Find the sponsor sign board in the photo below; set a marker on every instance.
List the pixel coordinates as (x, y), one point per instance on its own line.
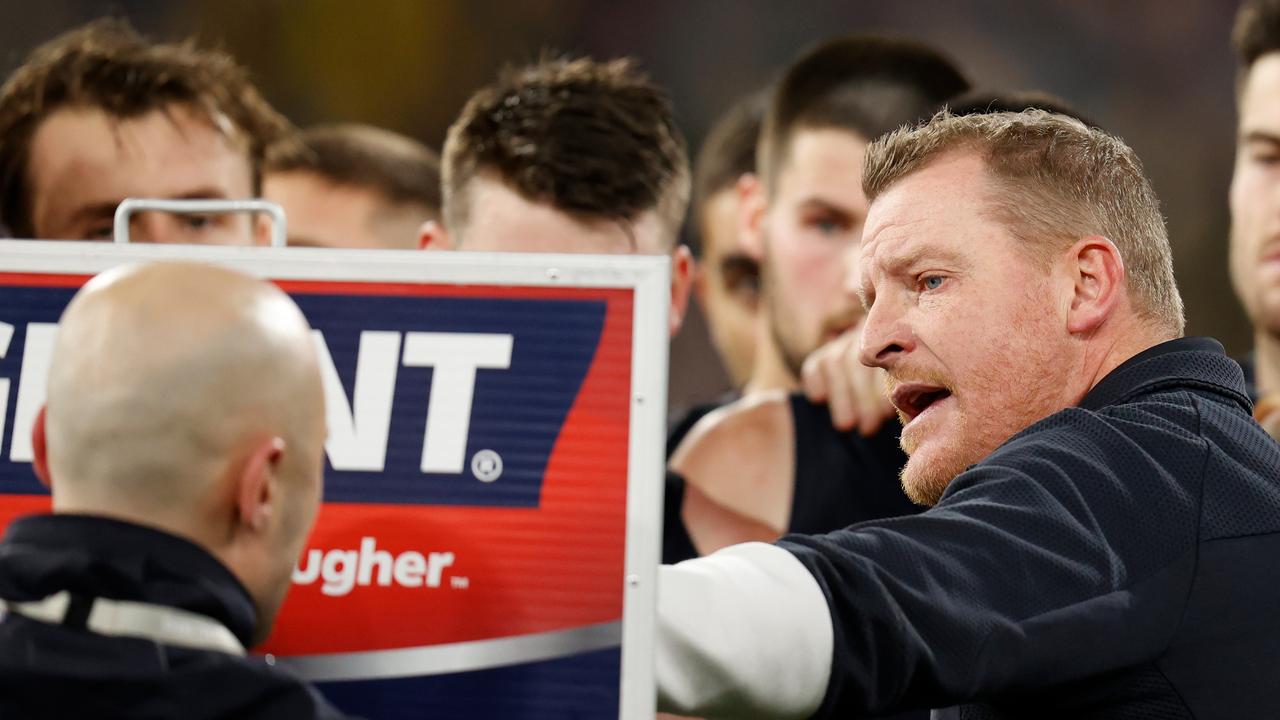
(489, 536)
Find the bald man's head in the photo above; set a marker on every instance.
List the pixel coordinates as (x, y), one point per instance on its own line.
(189, 397)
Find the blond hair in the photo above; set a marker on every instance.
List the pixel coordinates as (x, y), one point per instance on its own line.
(1055, 181)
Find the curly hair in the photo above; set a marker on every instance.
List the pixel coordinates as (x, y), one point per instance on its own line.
(592, 139)
(107, 65)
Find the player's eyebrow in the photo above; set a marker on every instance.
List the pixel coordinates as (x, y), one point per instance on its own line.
(1259, 136)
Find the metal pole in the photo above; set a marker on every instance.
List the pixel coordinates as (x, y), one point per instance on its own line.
(130, 206)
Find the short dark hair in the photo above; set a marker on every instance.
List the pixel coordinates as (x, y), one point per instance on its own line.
(866, 84)
(107, 65)
(1256, 32)
(593, 139)
(729, 150)
(993, 101)
(400, 169)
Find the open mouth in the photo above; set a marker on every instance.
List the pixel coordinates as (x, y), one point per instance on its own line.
(912, 399)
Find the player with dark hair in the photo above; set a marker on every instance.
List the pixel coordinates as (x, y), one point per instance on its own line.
(1255, 198)
(829, 104)
(100, 114)
(352, 185)
(727, 283)
(776, 463)
(726, 279)
(568, 155)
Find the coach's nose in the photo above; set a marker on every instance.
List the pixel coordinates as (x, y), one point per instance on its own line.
(886, 334)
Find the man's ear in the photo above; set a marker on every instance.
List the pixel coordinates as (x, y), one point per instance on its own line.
(433, 236)
(255, 487)
(261, 229)
(40, 451)
(752, 204)
(1097, 273)
(682, 272)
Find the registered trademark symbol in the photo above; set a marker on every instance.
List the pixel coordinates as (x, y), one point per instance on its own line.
(486, 465)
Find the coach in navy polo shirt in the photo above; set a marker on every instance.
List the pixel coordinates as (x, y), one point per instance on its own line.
(1106, 513)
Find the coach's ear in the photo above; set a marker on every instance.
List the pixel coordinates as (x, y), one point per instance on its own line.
(752, 204)
(433, 236)
(682, 271)
(40, 451)
(1095, 272)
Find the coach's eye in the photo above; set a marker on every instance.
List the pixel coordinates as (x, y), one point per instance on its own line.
(931, 282)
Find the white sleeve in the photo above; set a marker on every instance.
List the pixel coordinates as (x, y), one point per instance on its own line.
(745, 632)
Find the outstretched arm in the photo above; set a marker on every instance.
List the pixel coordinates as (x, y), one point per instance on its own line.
(743, 633)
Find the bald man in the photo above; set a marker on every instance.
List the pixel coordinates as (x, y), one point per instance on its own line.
(183, 444)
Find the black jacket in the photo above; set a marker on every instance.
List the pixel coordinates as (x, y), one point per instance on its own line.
(66, 671)
(1120, 559)
(1249, 365)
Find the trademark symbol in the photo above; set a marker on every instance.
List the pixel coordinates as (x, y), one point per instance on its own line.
(459, 583)
(486, 465)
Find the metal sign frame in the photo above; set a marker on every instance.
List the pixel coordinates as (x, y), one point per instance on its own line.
(647, 276)
(129, 206)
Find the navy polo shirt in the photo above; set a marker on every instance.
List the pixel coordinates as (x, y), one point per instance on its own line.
(1119, 559)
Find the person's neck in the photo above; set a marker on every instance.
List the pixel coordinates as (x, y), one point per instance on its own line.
(1112, 347)
(188, 526)
(1266, 362)
(769, 371)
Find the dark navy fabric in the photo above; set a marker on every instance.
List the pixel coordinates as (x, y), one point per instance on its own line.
(1114, 560)
(1247, 364)
(65, 671)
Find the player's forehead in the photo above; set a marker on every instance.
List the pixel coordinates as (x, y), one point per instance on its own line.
(500, 219)
(162, 153)
(1260, 96)
(822, 160)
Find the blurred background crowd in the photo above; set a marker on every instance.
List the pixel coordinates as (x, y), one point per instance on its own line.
(1158, 76)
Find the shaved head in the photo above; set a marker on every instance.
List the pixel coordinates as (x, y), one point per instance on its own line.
(171, 387)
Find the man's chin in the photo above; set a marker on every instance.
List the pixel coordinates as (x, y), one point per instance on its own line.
(1270, 323)
(1268, 310)
(926, 475)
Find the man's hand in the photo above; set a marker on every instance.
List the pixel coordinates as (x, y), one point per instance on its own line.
(1267, 411)
(855, 393)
